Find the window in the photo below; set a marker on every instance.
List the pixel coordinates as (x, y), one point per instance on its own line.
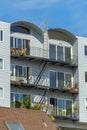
(1, 63)
(52, 52)
(68, 80)
(85, 76)
(68, 54)
(17, 96)
(18, 43)
(85, 49)
(14, 126)
(62, 107)
(21, 71)
(1, 92)
(11, 42)
(1, 35)
(20, 29)
(60, 53)
(59, 79)
(52, 79)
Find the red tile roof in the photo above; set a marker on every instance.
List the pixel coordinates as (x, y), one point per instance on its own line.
(30, 119)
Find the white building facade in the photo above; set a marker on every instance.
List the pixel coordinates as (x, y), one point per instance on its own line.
(48, 65)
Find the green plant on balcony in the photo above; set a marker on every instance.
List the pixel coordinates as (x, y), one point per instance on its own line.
(72, 61)
(53, 112)
(75, 110)
(68, 112)
(68, 84)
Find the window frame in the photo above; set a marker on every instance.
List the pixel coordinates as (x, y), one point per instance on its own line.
(63, 99)
(20, 125)
(56, 53)
(57, 77)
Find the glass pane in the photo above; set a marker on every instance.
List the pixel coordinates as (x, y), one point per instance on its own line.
(18, 71)
(69, 108)
(24, 95)
(11, 42)
(21, 97)
(12, 70)
(52, 52)
(17, 97)
(68, 54)
(60, 53)
(68, 82)
(14, 126)
(52, 79)
(1, 92)
(60, 80)
(26, 44)
(60, 106)
(20, 29)
(12, 97)
(25, 71)
(1, 63)
(19, 43)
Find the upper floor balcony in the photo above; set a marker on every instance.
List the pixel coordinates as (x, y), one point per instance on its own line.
(35, 53)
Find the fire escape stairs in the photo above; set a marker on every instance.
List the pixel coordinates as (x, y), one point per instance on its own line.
(38, 79)
(41, 73)
(43, 96)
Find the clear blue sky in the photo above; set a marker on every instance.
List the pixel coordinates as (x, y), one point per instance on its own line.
(67, 14)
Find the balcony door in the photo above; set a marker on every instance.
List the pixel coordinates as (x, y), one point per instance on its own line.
(52, 79)
(60, 77)
(68, 54)
(60, 53)
(52, 52)
(26, 44)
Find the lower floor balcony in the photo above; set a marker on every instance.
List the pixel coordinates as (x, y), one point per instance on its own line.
(65, 114)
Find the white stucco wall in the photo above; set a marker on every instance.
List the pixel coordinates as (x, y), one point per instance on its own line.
(82, 68)
(5, 73)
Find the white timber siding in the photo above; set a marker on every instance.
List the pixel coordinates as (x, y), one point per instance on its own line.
(5, 73)
(82, 67)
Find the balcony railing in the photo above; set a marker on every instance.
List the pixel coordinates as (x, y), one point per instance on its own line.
(44, 84)
(65, 113)
(39, 53)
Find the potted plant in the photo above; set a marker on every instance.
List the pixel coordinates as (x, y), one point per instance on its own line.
(75, 109)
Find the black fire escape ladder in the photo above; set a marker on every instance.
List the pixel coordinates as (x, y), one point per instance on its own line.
(43, 96)
(40, 74)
